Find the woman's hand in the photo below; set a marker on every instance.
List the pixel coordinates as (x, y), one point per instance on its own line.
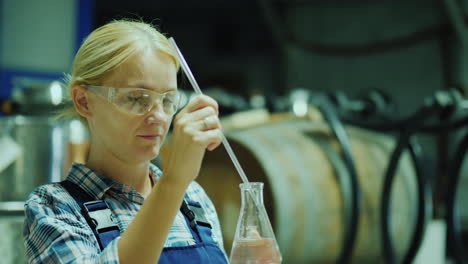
(196, 128)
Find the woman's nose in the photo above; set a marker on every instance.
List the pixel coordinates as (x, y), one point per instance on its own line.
(156, 115)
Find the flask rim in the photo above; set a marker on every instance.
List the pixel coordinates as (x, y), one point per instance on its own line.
(253, 185)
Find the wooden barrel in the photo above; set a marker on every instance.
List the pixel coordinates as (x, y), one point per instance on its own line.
(299, 163)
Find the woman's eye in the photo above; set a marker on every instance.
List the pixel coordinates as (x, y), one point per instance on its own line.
(133, 98)
(144, 100)
(168, 101)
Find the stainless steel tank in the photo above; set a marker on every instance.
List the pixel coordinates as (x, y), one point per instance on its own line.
(42, 140)
(33, 147)
(11, 227)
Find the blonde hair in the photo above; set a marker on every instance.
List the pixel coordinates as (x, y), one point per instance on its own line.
(106, 48)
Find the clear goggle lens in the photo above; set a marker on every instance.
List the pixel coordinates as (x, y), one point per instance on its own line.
(138, 100)
(142, 101)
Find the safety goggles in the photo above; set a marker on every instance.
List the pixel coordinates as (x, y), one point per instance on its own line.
(137, 101)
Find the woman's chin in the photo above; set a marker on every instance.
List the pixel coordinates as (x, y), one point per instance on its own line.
(140, 154)
(149, 154)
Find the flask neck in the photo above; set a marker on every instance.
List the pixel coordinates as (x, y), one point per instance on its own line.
(252, 194)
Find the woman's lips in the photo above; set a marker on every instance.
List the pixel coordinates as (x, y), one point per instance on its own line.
(149, 137)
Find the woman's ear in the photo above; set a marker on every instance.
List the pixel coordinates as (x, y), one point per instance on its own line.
(81, 100)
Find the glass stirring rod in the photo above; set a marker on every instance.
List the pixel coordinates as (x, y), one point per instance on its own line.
(259, 209)
(195, 86)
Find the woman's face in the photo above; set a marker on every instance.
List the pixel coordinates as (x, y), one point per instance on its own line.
(128, 137)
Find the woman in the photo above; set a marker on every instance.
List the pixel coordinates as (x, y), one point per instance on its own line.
(124, 88)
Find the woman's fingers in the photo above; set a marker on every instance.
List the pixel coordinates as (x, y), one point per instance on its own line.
(198, 124)
(201, 101)
(209, 123)
(196, 129)
(211, 138)
(198, 118)
(205, 116)
(199, 114)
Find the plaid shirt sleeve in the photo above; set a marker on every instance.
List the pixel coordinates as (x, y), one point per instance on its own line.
(54, 233)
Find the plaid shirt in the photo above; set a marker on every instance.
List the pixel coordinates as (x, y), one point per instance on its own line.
(56, 232)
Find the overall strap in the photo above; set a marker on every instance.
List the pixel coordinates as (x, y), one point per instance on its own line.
(96, 212)
(200, 227)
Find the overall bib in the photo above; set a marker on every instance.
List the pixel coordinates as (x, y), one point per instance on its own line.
(205, 251)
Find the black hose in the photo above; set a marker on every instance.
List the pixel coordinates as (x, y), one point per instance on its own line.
(385, 127)
(389, 125)
(340, 168)
(439, 102)
(398, 125)
(407, 127)
(424, 202)
(352, 220)
(403, 143)
(387, 242)
(447, 125)
(455, 241)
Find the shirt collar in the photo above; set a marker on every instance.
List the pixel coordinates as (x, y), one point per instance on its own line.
(155, 173)
(96, 184)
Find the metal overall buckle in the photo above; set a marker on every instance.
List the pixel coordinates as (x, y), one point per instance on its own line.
(101, 218)
(199, 214)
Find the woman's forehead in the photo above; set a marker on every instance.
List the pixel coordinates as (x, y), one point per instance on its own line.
(155, 71)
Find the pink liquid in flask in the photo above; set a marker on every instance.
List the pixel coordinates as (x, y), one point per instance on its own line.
(255, 251)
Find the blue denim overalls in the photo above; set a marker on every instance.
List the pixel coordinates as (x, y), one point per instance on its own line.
(205, 251)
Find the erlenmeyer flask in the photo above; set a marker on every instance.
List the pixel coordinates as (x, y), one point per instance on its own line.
(254, 241)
